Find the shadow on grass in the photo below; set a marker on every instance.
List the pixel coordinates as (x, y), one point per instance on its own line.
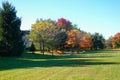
(105, 51)
(49, 61)
(64, 56)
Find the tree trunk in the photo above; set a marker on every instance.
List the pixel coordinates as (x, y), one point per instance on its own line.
(79, 48)
(40, 47)
(52, 52)
(43, 47)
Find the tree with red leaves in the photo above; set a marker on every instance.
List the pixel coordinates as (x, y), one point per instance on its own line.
(64, 24)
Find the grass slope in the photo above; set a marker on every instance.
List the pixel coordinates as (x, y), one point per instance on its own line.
(93, 65)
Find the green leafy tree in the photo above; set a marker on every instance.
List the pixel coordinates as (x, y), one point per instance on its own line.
(60, 41)
(108, 42)
(11, 43)
(75, 27)
(98, 41)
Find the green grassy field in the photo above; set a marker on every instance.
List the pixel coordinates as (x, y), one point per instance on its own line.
(92, 65)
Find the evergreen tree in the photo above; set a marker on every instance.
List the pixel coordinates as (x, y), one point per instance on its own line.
(98, 41)
(32, 48)
(11, 43)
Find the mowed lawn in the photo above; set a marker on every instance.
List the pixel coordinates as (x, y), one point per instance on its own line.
(92, 65)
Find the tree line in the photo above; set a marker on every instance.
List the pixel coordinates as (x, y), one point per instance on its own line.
(47, 35)
(64, 36)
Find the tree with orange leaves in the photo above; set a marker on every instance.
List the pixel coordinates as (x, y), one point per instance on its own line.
(116, 40)
(79, 39)
(85, 41)
(73, 38)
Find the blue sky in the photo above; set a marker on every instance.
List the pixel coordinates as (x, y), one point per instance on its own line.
(101, 16)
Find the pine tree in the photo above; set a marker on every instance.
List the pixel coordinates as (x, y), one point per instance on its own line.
(11, 43)
(32, 48)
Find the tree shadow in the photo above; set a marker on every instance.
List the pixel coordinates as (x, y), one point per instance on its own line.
(105, 51)
(18, 63)
(64, 56)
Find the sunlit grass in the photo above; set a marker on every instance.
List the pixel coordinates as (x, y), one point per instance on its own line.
(92, 65)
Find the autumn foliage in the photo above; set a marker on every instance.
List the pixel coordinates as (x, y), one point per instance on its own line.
(73, 37)
(61, 22)
(116, 40)
(61, 35)
(65, 24)
(85, 41)
(76, 37)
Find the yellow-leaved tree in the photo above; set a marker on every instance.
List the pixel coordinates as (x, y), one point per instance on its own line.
(43, 32)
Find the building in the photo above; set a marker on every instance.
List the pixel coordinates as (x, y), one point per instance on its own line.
(25, 38)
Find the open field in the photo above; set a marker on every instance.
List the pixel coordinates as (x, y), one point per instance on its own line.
(93, 65)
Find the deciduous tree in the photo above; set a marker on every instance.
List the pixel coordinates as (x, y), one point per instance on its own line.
(64, 24)
(116, 40)
(73, 37)
(108, 42)
(60, 41)
(85, 41)
(44, 32)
